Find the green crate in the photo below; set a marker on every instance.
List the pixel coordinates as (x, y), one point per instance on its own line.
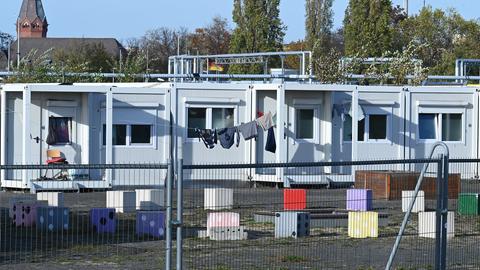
(468, 204)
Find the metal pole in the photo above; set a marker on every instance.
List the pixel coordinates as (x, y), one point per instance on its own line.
(18, 44)
(8, 55)
(168, 238)
(438, 215)
(444, 214)
(179, 214)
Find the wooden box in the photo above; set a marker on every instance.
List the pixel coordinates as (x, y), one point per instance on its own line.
(390, 184)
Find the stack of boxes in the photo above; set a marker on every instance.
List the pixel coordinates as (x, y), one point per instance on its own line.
(362, 222)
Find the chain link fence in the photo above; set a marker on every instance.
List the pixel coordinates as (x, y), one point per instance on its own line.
(328, 215)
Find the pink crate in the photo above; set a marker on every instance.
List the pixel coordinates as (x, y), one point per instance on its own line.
(222, 219)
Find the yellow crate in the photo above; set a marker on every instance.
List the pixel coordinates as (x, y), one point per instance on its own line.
(362, 224)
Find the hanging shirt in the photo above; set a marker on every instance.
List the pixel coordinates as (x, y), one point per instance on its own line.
(227, 137)
(271, 145)
(265, 121)
(208, 136)
(248, 130)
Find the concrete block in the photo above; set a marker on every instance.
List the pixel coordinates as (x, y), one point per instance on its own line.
(218, 198)
(222, 219)
(52, 218)
(407, 197)
(103, 220)
(294, 199)
(53, 198)
(228, 233)
(469, 204)
(150, 199)
(151, 223)
(362, 224)
(122, 201)
(359, 199)
(15, 199)
(427, 227)
(25, 213)
(292, 224)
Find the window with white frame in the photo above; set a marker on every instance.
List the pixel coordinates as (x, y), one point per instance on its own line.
(61, 129)
(444, 126)
(371, 128)
(209, 118)
(305, 123)
(130, 134)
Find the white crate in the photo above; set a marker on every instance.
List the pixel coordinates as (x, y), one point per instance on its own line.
(218, 198)
(292, 224)
(122, 201)
(228, 233)
(426, 224)
(222, 219)
(150, 199)
(407, 197)
(53, 198)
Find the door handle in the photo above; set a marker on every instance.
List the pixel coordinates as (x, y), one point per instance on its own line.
(37, 139)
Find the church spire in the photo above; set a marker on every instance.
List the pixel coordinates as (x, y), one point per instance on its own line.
(32, 22)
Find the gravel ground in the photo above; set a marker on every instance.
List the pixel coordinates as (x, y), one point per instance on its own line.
(326, 248)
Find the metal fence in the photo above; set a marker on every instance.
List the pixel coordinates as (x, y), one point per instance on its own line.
(239, 216)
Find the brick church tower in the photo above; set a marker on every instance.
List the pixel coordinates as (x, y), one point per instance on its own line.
(31, 22)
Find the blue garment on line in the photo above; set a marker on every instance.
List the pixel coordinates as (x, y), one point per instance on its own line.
(227, 137)
(271, 145)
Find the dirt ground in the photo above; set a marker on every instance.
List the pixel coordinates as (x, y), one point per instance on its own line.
(325, 248)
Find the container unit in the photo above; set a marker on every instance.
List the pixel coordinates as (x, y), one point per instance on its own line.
(469, 204)
(122, 201)
(359, 199)
(427, 227)
(292, 224)
(150, 199)
(218, 198)
(407, 197)
(294, 199)
(362, 224)
(53, 198)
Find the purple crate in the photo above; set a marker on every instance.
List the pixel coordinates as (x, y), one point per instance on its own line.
(25, 213)
(103, 220)
(359, 199)
(151, 223)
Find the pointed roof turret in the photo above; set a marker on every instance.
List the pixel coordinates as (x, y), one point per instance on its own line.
(32, 9)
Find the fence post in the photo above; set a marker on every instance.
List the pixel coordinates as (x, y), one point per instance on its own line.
(444, 213)
(179, 214)
(441, 213)
(168, 238)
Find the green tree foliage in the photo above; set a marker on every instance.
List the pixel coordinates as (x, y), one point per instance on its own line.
(318, 25)
(258, 29)
(448, 36)
(367, 27)
(5, 40)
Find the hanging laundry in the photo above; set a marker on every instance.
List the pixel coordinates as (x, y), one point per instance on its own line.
(248, 130)
(271, 145)
(265, 121)
(208, 136)
(227, 137)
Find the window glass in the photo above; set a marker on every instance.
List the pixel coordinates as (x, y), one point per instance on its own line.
(59, 130)
(361, 130)
(140, 133)
(377, 129)
(119, 133)
(197, 118)
(347, 128)
(452, 127)
(304, 123)
(427, 126)
(222, 118)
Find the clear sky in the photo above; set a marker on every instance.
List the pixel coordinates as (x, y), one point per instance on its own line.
(124, 19)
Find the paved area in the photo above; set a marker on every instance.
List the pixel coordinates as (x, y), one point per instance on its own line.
(326, 248)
